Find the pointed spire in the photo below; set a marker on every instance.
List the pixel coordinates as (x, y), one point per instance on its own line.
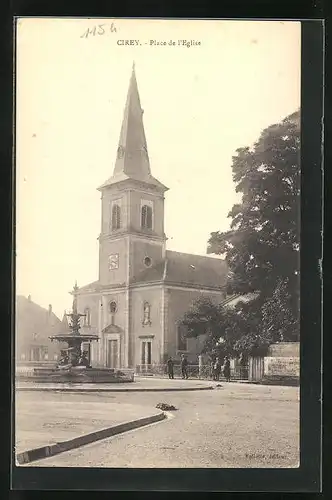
(132, 160)
(132, 156)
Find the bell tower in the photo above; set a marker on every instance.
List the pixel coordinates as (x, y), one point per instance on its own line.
(132, 230)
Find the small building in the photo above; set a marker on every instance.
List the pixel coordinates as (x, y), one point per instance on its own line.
(143, 290)
(34, 325)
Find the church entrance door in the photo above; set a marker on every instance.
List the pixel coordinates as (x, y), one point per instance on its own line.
(146, 351)
(113, 354)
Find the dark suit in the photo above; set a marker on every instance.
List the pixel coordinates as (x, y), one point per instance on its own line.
(170, 368)
(184, 368)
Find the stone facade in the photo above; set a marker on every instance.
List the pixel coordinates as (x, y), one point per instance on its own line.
(143, 290)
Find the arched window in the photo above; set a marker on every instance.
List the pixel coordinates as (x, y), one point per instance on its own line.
(116, 217)
(87, 317)
(146, 217)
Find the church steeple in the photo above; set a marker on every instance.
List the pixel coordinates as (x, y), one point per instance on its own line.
(132, 204)
(132, 159)
(132, 155)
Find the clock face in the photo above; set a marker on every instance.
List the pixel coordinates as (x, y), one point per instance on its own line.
(113, 261)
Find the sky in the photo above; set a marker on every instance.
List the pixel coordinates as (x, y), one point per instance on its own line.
(201, 102)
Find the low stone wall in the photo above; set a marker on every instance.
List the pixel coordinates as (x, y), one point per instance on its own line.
(280, 366)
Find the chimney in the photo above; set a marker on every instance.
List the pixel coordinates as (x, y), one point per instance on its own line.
(29, 298)
(50, 309)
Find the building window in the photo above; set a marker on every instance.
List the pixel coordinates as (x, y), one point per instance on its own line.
(146, 217)
(146, 314)
(35, 354)
(87, 317)
(44, 352)
(39, 353)
(147, 262)
(182, 341)
(116, 217)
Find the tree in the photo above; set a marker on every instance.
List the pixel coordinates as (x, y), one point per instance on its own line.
(230, 331)
(278, 319)
(262, 245)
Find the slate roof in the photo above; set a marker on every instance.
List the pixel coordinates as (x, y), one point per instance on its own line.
(90, 287)
(181, 269)
(188, 270)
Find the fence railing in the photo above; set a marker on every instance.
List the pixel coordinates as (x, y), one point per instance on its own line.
(194, 371)
(23, 364)
(26, 371)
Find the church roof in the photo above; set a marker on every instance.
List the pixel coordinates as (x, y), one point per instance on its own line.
(132, 160)
(90, 287)
(179, 269)
(188, 270)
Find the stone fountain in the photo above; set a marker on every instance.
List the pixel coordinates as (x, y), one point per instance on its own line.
(74, 366)
(73, 356)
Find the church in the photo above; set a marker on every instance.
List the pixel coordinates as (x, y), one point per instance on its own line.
(143, 289)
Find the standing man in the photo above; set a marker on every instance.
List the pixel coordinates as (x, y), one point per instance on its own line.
(170, 367)
(184, 366)
(217, 369)
(227, 369)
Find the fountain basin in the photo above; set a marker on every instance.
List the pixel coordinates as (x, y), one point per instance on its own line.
(76, 374)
